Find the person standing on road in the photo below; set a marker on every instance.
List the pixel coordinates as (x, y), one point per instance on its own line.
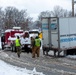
(32, 43)
(2, 41)
(37, 45)
(18, 44)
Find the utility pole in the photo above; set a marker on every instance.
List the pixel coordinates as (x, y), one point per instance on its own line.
(73, 2)
(73, 8)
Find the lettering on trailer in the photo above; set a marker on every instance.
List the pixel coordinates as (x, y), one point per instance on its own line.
(71, 37)
(67, 39)
(52, 25)
(45, 26)
(67, 35)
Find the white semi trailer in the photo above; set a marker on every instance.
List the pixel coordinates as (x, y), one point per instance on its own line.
(59, 34)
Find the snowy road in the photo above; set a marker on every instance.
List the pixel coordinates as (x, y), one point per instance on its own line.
(6, 69)
(45, 64)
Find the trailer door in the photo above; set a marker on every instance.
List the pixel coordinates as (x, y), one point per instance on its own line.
(45, 38)
(54, 32)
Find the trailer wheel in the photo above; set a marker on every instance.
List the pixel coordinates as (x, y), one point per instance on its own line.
(45, 51)
(54, 53)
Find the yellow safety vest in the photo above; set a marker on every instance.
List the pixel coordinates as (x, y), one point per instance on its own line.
(37, 42)
(40, 35)
(17, 42)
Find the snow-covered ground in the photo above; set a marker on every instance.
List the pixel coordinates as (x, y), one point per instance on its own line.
(7, 69)
(71, 56)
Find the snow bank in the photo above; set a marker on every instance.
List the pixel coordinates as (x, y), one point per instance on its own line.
(6, 69)
(71, 56)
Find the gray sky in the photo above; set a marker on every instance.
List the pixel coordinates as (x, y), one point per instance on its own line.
(34, 7)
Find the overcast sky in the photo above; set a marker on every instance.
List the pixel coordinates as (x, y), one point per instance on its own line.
(34, 7)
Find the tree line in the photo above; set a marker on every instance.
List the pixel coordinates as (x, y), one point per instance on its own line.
(11, 16)
(56, 12)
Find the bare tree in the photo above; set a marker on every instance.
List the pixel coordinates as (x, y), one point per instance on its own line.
(10, 13)
(57, 11)
(1, 19)
(65, 13)
(30, 23)
(14, 17)
(44, 14)
(38, 24)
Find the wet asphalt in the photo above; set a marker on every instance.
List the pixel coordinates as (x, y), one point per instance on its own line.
(49, 65)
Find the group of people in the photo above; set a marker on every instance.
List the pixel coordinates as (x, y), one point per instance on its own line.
(35, 46)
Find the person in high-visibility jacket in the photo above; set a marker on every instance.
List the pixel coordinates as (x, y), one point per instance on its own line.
(18, 44)
(36, 49)
(40, 35)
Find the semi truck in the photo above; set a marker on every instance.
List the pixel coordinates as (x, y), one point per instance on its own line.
(59, 35)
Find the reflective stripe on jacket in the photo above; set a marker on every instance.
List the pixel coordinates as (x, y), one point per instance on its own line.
(37, 42)
(17, 42)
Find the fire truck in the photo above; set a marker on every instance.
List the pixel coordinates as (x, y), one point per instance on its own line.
(8, 37)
